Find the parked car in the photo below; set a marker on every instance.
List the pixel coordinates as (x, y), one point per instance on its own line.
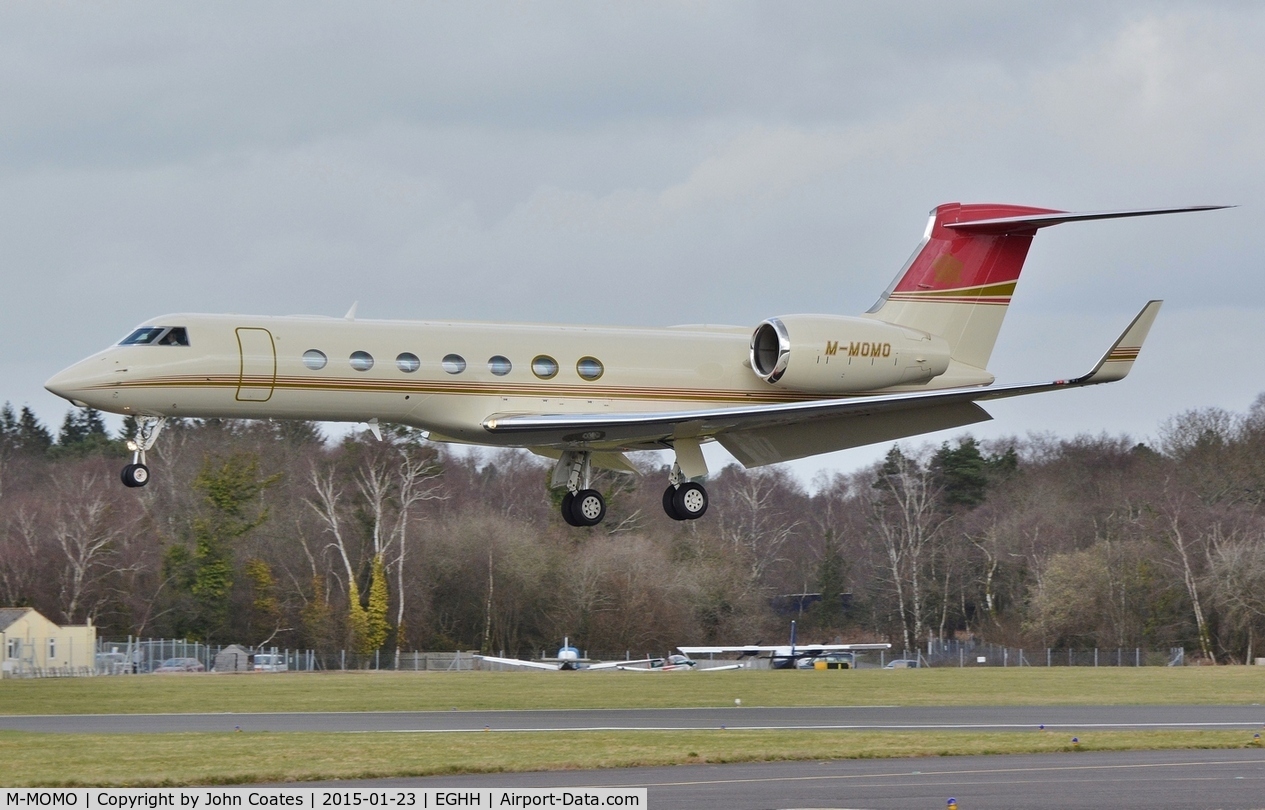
(828, 661)
(180, 665)
(269, 662)
(902, 663)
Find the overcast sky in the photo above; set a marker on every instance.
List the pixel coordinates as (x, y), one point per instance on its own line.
(636, 163)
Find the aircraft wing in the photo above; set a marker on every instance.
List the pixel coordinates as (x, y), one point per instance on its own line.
(516, 662)
(770, 433)
(680, 668)
(784, 649)
(620, 664)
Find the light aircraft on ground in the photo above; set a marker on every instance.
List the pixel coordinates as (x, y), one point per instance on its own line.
(792, 387)
(784, 656)
(567, 659)
(675, 663)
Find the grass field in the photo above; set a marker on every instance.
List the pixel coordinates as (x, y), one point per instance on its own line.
(425, 691)
(218, 758)
(143, 760)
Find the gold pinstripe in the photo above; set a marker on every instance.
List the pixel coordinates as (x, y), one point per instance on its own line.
(469, 388)
(982, 294)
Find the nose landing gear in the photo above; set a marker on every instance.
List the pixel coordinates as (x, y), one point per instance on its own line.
(136, 474)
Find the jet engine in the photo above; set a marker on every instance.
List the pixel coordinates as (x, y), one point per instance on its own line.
(835, 354)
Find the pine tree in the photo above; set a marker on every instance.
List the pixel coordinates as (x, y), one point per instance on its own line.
(832, 574)
(8, 423)
(30, 436)
(82, 434)
(72, 431)
(962, 473)
(229, 488)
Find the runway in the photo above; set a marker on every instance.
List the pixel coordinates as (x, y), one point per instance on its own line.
(1131, 780)
(842, 718)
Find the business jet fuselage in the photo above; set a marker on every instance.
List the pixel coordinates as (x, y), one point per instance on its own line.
(794, 386)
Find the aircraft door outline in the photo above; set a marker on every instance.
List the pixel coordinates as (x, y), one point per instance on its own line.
(257, 374)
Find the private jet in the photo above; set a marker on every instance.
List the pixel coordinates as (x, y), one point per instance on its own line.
(583, 396)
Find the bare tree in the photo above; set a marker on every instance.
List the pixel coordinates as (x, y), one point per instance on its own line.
(907, 519)
(86, 534)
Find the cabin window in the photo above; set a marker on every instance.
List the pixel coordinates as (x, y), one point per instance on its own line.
(590, 368)
(157, 336)
(453, 363)
(544, 367)
(500, 366)
(361, 361)
(52, 648)
(408, 362)
(15, 648)
(315, 359)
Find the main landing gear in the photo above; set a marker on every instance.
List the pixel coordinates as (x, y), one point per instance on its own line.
(683, 499)
(136, 474)
(582, 505)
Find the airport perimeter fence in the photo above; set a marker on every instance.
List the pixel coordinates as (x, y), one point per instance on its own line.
(975, 654)
(142, 656)
(146, 655)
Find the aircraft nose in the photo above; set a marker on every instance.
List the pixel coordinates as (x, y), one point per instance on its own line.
(68, 384)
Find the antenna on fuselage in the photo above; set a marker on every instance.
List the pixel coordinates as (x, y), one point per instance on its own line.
(351, 313)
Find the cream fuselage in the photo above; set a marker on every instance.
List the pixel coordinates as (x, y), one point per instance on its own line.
(253, 367)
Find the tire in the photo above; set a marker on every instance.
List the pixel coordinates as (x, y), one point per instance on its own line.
(567, 500)
(690, 501)
(668, 506)
(135, 475)
(588, 507)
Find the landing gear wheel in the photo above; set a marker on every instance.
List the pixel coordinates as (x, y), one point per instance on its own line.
(135, 475)
(668, 506)
(690, 501)
(567, 501)
(588, 508)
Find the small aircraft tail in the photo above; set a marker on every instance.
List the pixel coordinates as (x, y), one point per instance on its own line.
(959, 280)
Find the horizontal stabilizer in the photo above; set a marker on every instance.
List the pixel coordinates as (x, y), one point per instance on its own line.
(1031, 222)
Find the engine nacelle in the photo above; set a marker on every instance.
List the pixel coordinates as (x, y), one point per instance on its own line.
(835, 354)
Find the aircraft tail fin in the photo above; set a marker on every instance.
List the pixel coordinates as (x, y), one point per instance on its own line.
(960, 279)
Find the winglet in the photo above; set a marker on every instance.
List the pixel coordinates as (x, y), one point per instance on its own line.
(1118, 360)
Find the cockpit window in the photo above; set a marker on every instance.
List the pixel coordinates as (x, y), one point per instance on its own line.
(158, 336)
(176, 336)
(142, 336)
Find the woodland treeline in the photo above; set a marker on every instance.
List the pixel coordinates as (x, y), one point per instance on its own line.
(266, 533)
